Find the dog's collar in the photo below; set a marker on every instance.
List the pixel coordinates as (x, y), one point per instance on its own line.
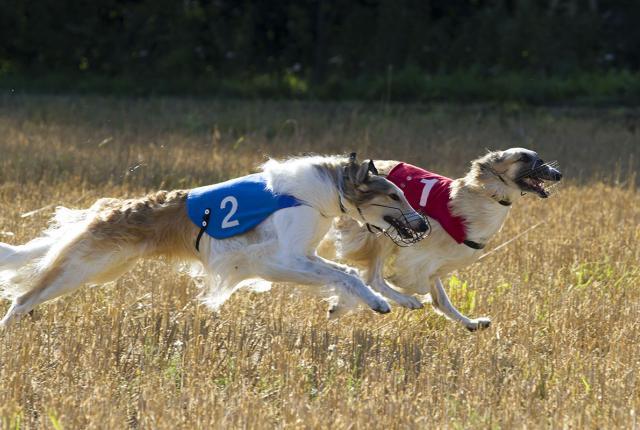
(474, 245)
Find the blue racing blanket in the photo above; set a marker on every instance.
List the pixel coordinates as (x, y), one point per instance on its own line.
(235, 206)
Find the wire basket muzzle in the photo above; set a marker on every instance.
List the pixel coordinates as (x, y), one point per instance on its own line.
(401, 231)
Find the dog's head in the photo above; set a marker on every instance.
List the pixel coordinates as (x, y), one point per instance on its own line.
(517, 169)
(381, 203)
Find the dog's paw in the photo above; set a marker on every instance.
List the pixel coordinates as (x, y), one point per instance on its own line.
(335, 311)
(479, 324)
(408, 302)
(5, 323)
(381, 306)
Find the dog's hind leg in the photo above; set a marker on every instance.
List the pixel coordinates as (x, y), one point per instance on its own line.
(68, 273)
(442, 303)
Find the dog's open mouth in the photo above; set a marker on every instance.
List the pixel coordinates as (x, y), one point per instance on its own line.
(532, 184)
(533, 180)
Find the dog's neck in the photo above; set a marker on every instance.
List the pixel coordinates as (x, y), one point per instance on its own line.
(483, 202)
(312, 180)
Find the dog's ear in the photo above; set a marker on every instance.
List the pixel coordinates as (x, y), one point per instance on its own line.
(363, 172)
(372, 168)
(488, 161)
(352, 158)
(351, 169)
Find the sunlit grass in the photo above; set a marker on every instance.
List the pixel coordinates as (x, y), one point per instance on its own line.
(562, 351)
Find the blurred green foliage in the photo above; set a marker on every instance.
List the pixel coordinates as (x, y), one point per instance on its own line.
(389, 50)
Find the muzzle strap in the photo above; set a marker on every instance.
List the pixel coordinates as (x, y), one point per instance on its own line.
(203, 227)
(367, 224)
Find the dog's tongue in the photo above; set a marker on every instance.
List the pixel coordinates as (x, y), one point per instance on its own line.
(537, 184)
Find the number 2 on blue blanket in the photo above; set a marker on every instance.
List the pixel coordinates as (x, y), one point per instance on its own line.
(227, 222)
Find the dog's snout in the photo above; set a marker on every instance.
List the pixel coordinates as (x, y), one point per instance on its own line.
(549, 173)
(554, 174)
(422, 226)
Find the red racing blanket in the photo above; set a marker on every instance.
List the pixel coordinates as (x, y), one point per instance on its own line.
(429, 194)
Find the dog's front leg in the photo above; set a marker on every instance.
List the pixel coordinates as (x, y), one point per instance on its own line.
(375, 278)
(299, 231)
(338, 308)
(442, 303)
(312, 270)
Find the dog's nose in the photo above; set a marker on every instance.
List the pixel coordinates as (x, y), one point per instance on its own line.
(422, 226)
(558, 176)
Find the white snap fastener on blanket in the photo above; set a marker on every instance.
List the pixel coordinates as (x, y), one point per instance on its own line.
(204, 223)
(207, 211)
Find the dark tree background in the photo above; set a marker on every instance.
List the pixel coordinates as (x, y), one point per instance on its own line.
(315, 43)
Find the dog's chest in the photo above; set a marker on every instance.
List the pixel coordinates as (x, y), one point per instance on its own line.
(234, 207)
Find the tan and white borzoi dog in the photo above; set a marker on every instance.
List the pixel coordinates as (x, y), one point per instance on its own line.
(99, 244)
(481, 199)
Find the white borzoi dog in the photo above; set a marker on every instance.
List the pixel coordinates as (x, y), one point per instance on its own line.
(464, 214)
(99, 244)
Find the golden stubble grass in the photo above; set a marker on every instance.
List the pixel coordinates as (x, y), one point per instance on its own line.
(563, 350)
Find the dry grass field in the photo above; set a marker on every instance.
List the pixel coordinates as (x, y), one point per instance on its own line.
(563, 350)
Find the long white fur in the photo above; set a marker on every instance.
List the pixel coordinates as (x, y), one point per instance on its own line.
(21, 264)
(318, 191)
(281, 249)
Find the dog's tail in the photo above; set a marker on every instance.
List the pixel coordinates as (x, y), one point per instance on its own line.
(14, 257)
(21, 265)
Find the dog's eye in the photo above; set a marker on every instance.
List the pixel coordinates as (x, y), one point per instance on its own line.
(395, 197)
